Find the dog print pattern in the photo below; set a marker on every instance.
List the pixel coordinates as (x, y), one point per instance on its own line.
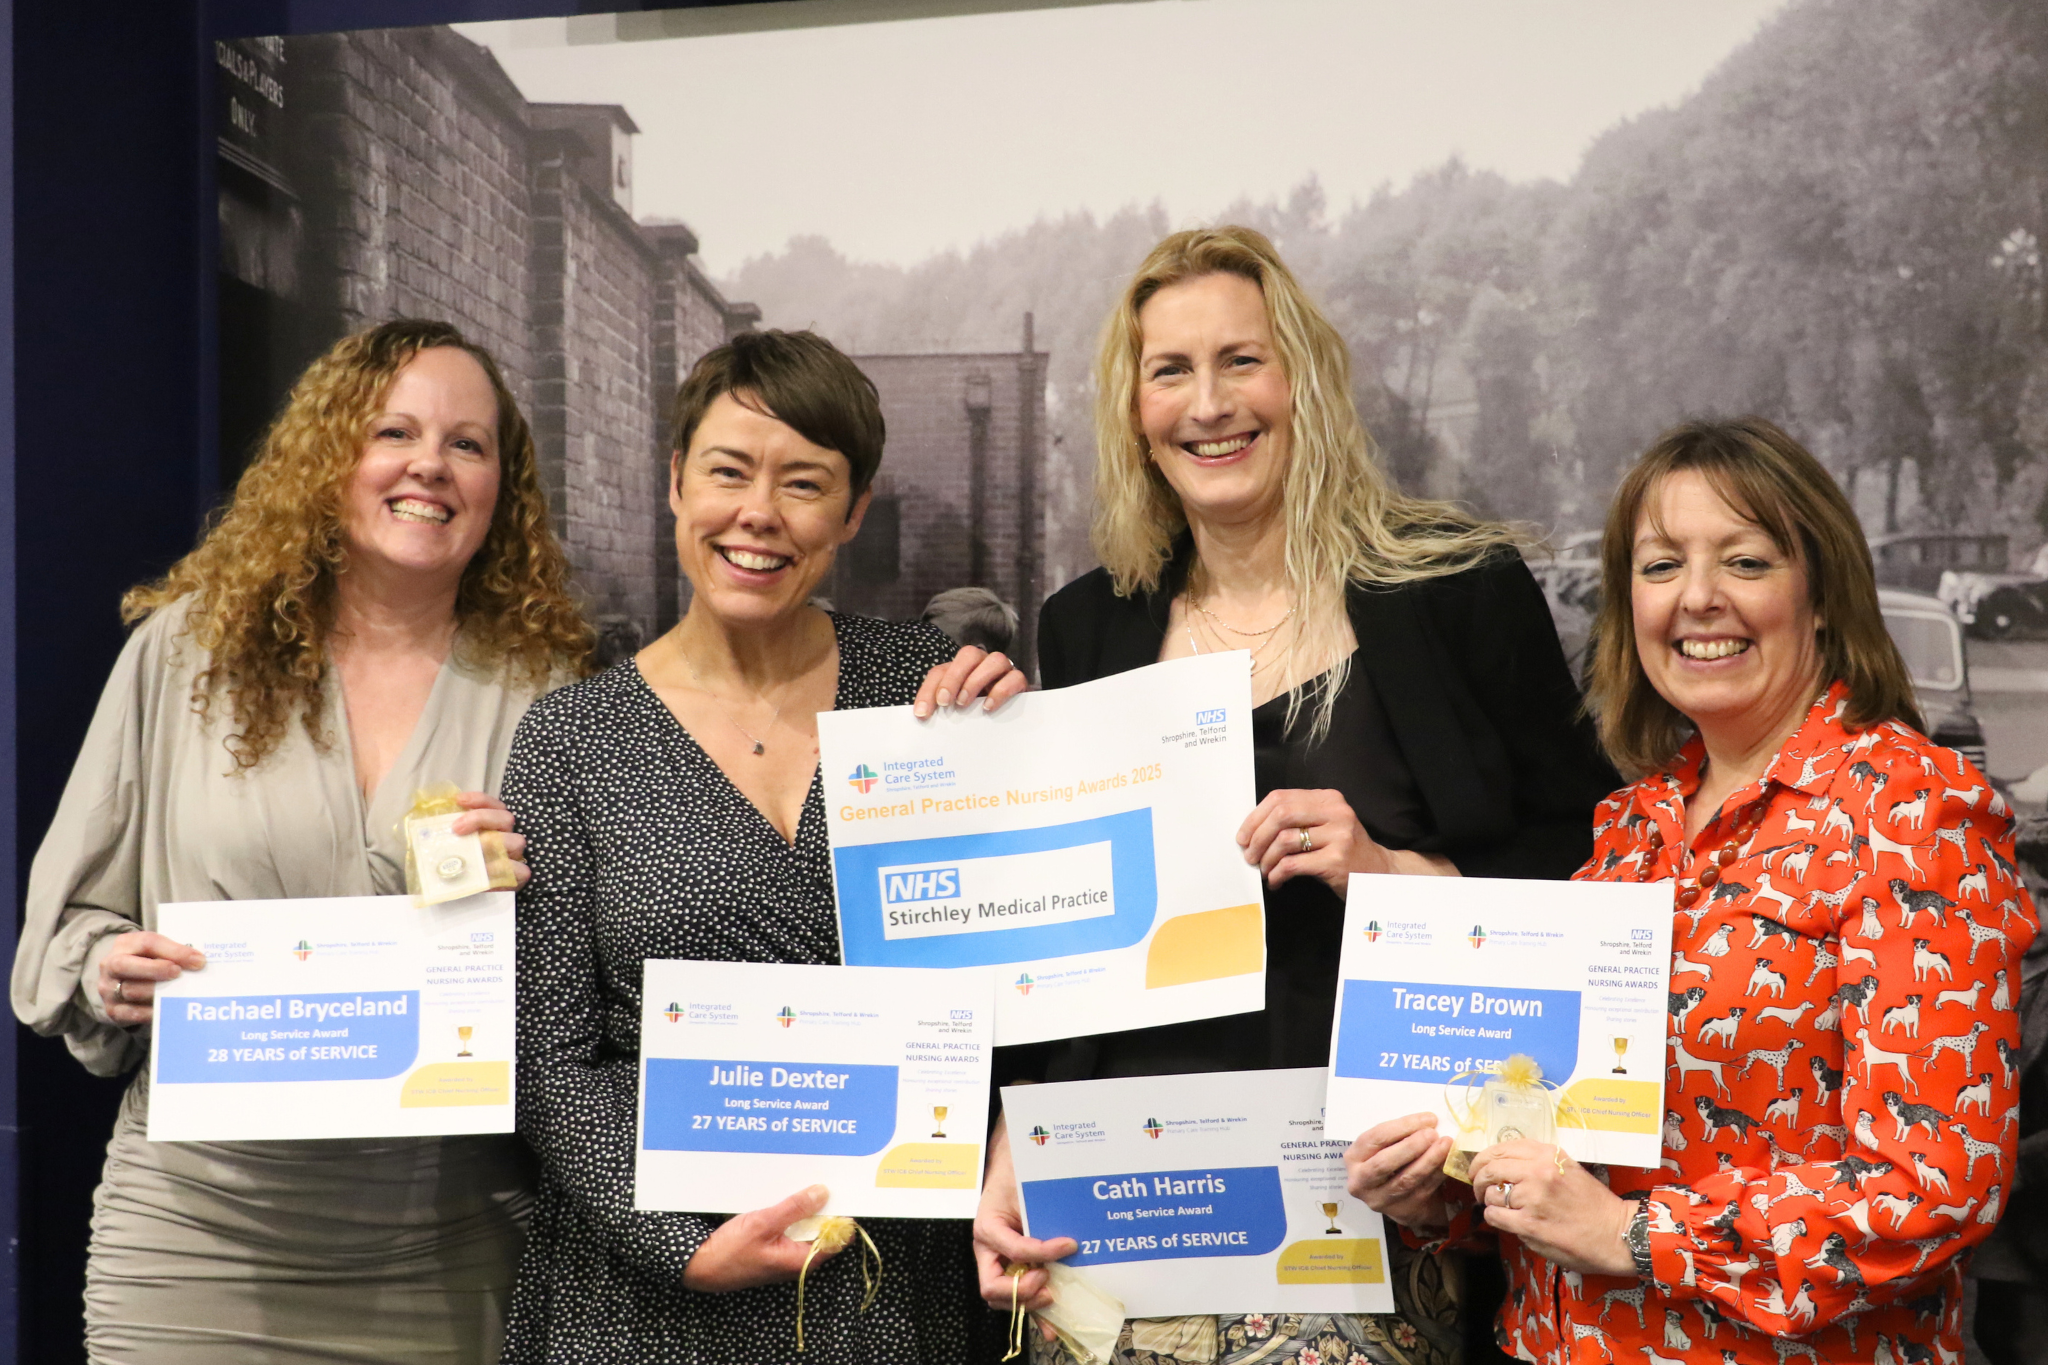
(1826, 1219)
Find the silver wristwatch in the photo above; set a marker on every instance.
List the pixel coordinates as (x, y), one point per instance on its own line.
(1638, 1238)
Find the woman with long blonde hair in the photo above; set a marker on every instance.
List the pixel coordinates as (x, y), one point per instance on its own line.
(1414, 713)
(372, 614)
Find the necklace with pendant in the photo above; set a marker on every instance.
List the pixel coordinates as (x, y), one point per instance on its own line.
(760, 747)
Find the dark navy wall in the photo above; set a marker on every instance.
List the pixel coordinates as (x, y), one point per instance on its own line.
(105, 473)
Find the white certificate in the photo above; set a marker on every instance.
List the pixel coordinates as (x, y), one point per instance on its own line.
(1212, 1193)
(760, 1079)
(1082, 840)
(335, 1017)
(1443, 978)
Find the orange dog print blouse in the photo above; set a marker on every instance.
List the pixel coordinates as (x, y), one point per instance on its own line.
(1842, 1100)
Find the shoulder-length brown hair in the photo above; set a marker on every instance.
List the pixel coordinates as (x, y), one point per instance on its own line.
(1346, 521)
(261, 581)
(1770, 480)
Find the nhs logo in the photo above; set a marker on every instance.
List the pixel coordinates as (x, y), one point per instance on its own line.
(932, 883)
(1214, 717)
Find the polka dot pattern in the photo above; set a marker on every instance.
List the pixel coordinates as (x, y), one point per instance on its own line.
(641, 848)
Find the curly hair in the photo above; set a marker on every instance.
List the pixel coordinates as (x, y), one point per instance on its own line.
(261, 582)
(1346, 521)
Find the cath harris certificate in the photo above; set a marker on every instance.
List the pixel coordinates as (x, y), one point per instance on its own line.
(1442, 978)
(1211, 1193)
(335, 1017)
(759, 1079)
(1082, 840)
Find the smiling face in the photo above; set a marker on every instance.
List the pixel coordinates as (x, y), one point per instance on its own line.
(760, 513)
(1213, 401)
(1724, 618)
(421, 498)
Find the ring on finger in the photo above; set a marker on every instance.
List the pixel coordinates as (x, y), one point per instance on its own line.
(121, 990)
(1307, 844)
(1507, 1189)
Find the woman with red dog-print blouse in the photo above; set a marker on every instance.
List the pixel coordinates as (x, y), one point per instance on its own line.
(1841, 1100)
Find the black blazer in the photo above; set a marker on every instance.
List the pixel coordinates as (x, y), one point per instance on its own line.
(1474, 684)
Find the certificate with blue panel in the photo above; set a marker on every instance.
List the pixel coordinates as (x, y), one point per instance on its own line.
(1441, 979)
(1081, 842)
(336, 1017)
(1212, 1193)
(759, 1079)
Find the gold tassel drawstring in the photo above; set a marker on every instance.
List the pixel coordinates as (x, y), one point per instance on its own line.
(834, 1234)
(1016, 1339)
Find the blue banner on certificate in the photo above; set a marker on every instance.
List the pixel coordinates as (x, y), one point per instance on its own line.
(1441, 979)
(342, 1017)
(1081, 841)
(1210, 1193)
(758, 1079)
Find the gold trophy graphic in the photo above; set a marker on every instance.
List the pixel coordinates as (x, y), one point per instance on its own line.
(1620, 1046)
(939, 1120)
(1330, 1212)
(463, 1031)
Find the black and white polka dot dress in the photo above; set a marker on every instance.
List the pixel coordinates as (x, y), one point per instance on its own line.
(641, 848)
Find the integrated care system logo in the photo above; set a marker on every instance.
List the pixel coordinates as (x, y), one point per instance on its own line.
(1024, 983)
(785, 1016)
(1478, 936)
(864, 779)
(1372, 931)
(1039, 1134)
(1153, 1128)
(303, 951)
(673, 1013)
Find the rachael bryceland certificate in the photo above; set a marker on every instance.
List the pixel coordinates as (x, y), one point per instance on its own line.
(1441, 979)
(1210, 1193)
(1082, 841)
(759, 1079)
(330, 1018)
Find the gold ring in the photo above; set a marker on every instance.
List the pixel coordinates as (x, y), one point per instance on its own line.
(1307, 844)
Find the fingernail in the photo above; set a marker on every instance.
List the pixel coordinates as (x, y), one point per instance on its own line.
(945, 696)
(923, 709)
(819, 1193)
(989, 704)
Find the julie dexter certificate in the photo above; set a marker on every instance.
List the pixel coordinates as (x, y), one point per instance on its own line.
(1212, 1193)
(760, 1079)
(1442, 977)
(1082, 840)
(335, 1017)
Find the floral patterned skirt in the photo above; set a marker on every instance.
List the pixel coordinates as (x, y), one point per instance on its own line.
(1423, 1332)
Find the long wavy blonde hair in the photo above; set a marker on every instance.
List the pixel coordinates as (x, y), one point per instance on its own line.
(261, 581)
(1346, 521)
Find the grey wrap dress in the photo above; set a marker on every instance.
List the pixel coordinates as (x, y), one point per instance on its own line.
(390, 1250)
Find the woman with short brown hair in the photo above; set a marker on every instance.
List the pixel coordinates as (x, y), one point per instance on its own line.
(372, 614)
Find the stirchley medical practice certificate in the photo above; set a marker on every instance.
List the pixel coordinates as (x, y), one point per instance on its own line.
(1082, 840)
(1441, 976)
(335, 1017)
(759, 1079)
(1212, 1193)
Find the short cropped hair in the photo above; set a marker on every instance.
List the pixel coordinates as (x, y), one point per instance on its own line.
(973, 616)
(1772, 481)
(801, 380)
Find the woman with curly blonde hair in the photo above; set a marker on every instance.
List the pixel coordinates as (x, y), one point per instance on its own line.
(1412, 708)
(374, 612)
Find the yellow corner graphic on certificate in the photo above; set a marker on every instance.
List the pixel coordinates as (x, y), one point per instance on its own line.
(442, 1084)
(1206, 945)
(1334, 1260)
(1610, 1106)
(930, 1166)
